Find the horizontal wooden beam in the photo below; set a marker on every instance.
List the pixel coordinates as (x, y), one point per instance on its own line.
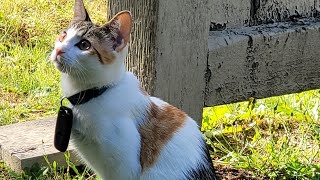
(239, 13)
(262, 61)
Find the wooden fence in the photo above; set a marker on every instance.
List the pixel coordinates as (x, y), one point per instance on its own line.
(202, 53)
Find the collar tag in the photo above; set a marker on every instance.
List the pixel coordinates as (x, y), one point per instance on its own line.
(65, 116)
(63, 128)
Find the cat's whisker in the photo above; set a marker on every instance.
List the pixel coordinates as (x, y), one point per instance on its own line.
(72, 65)
(66, 60)
(81, 77)
(82, 72)
(67, 64)
(82, 67)
(66, 69)
(77, 75)
(69, 68)
(63, 68)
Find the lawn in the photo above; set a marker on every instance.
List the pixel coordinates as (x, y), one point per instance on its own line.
(30, 87)
(277, 138)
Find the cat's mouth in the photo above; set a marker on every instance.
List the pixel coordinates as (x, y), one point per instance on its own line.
(59, 64)
(61, 67)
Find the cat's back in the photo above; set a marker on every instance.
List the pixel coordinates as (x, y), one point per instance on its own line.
(172, 146)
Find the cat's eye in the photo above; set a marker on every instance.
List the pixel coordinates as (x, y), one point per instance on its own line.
(84, 45)
(62, 36)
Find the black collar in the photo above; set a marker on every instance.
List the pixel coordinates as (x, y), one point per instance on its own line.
(86, 95)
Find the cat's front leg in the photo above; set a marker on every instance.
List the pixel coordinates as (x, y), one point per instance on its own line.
(111, 148)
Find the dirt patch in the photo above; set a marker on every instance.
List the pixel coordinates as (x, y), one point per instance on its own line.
(229, 173)
(21, 34)
(10, 96)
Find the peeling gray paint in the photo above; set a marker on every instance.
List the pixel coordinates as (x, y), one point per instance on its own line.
(240, 13)
(271, 11)
(233, 13)
(263, 61)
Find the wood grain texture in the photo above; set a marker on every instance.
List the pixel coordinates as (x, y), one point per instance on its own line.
(235, 14)
(181, 53)
(280, 10)
(141, 56)
(263, 61)
(229, 12)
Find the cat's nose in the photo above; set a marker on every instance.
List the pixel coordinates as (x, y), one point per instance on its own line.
(59, 51)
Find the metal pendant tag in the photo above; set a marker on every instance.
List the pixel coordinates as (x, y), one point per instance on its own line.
(63, 128)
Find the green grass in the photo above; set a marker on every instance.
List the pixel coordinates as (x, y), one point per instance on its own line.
(29, 86)
(277, 137)
(52, 171)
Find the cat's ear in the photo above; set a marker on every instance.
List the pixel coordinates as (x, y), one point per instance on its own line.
(120, 26)
(80, 12)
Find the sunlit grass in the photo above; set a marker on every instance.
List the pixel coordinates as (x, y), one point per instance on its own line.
(276, 137)
(30, 85)
(52, 171)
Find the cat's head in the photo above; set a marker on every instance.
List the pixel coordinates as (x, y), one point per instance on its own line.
(88, 52)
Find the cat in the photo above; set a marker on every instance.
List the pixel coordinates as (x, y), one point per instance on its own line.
(120, 131)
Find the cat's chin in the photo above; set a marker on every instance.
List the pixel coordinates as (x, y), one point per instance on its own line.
(60, 67)
(57, 63)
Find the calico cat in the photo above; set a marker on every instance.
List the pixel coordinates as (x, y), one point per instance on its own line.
(120, 131)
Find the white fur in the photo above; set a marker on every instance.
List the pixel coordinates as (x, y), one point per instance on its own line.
(86, 70)
(174, 161)
(105, 129)
(108, 125)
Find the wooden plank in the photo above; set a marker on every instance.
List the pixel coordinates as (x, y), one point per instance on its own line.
(281, 10)
(181, 53)
(234, 14)
(170, 39)
(263, 61)
(230, 13)
(25, 144)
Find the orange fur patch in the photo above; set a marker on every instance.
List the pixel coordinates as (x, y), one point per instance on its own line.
(62, 36)
(104, 54)
(107, 58)
(158, 129)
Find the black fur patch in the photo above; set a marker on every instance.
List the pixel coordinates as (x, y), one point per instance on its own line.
(205, 171)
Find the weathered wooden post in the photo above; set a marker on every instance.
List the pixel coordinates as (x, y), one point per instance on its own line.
(168, 49)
